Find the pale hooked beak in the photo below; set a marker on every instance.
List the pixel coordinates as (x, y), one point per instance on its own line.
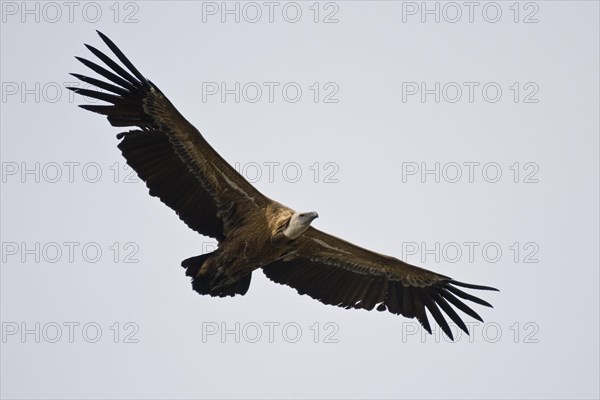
(312, 215)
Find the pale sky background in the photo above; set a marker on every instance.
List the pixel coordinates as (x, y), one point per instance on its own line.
(369, 142)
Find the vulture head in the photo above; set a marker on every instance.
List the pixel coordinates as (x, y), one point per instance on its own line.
(298, 224)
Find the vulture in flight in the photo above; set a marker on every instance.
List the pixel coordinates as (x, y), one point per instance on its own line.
(253, 231)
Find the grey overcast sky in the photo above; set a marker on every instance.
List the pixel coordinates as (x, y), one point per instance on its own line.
(462, 137)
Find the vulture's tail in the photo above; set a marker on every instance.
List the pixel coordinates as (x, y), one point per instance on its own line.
(214, 282)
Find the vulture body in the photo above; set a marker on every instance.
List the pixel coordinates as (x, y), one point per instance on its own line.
(253, 231)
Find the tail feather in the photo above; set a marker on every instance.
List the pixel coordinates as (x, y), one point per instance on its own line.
(213, 283)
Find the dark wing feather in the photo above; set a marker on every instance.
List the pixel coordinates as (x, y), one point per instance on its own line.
(339, 273)
(167, 152)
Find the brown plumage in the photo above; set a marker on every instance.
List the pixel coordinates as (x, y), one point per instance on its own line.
(187, 174)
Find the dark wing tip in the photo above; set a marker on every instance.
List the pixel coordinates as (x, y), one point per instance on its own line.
(116, 51)
(471, 286)
(467, 296)
(102, 35)
(90, 47)
(425, 324)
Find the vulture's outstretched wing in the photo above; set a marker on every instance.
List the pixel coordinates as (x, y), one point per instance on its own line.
(336, 272)
(167, 152)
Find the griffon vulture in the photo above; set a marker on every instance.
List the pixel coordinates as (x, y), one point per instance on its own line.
(253, 231)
